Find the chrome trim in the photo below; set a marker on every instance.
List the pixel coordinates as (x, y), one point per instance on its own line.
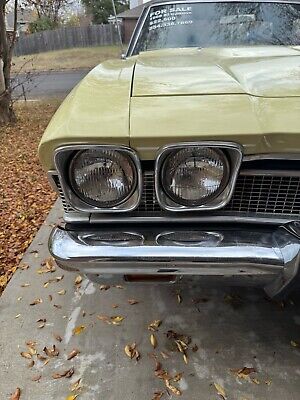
(268, 172)
(61, 156)
(272, 255)
(50, 176)
(141, 21)
(235, 154)
(272, 156)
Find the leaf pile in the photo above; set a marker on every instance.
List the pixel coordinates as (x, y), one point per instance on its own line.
(26, 196)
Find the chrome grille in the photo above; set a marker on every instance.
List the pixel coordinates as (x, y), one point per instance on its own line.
(258, 194)
(253, 194)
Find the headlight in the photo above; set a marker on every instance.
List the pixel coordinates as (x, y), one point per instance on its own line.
(103, 177)
(194, 175)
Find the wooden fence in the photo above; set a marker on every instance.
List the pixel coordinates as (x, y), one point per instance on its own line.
(64, 38)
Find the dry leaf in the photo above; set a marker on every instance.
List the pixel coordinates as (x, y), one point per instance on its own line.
(185, 359)
(116, 320)
(57, 306)
(177, 377)
(157, 395)
(75, 385)
(26, 355)
(294, 343)
(51, 352)
(132, 301)
(256, 381)
(35, 302)
(16, 395)
(31, 364)
(154, 325)
(153, 341)
(244, 373)
(104, 287)
(57, 337)
(115, 306)
(179, 298)
(36, 378)
(164, 355)
(65, 374)
(17, 316)
(119, 286)
(62, 292)
(72, 396)
(220, 390)
(73, 354)
(25, 285)
(132, 352)
(78, 280)
(78, 330)
(23, 266)
(172, 388)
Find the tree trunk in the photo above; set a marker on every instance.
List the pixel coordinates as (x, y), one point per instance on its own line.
(6, 110)
(6, 51)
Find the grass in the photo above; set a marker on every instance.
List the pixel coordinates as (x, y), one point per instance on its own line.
(86, 57)
(26, 196)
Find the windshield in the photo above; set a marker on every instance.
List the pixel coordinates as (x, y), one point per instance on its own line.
(219, 24)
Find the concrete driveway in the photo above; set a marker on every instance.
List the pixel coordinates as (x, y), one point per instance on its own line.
(231, 331)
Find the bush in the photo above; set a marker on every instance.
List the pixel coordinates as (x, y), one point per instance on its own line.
(42, 24)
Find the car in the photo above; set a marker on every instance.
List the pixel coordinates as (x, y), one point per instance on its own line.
(179, 163)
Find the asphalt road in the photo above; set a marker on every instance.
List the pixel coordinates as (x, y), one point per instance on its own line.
(232, 329)
(47, 84)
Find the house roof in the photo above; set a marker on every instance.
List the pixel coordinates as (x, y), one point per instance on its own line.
(134, 13)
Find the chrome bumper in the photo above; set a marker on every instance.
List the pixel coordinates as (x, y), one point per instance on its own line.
(271, 257)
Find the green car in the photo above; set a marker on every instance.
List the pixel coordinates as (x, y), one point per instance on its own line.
(180, 162)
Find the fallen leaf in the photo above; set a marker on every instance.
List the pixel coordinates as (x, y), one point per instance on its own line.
(154, 325)
(78, 280)
(57, 337)
(78, 330)
(157, 395)
(294, 343)
(26, 355)
(57, 306)
(18, 315)
(51, 352)
(185, 359)
(179, 298)
(153, 341)
(177, 377)
(25, 285)
(36, 378)
(132, 301)
(104, 287)
(35, 302)
(116, 320)
(115, 306)
(119, 286)
(31, 364)
(72, 396)
(132, 352)
(62, 292)
(23, 266)
(73, 354)
(164, 355)
(75, 385)
(172, 388)
(256, 381)
(244, 373)
(220, 390)
(16, 395)
(65, 374)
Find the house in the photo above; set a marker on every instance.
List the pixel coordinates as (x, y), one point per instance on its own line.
(25, 17)
(129, 19)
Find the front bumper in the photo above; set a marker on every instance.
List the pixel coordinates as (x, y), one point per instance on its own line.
(269, 258)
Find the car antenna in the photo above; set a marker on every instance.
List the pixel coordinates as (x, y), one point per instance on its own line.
(118, 27)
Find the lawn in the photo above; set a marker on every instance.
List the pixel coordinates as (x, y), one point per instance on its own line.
(58, 60)
(25, 195)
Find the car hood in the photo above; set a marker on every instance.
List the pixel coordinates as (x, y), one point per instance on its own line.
(263, 71)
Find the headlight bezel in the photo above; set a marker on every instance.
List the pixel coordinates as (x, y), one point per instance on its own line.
(232, 152)
(63, 158)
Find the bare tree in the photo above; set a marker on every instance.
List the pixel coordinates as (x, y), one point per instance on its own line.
(50, 9)
(7, 43)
